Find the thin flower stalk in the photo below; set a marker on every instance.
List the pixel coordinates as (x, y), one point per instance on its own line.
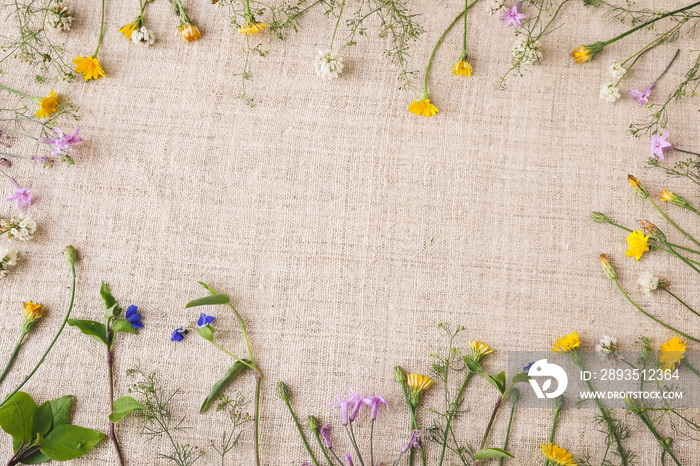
(283, 392)
(496, 408)
(558, 405)
(514, 396)
(451, 414)
(665, 288)
(640, 412)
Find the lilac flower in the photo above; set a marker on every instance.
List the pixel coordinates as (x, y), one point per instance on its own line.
(348, 458)
(133, 316)
(343, 405)
(512, 16)
(179, 334)
(63, 142)
(658, 144)
(375, 402)
(415, 441)
(305, 463)
(357, 399)
(204, 320)
(44, 159)
(323, 432)
(642, 96)
(22, 196)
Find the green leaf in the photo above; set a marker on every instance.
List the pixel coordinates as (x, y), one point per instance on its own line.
(487, 453)
(94, 330)
(68, 442)
(233, 372)
(16, 417)
(520, 377)
(209, 288)
(107, 296)
(123, 325)
(123, 406)
(110, 312)
(219, 298)
(34, 458)
(206, 332)
(500, 380)
(42, 420)
(60, 409)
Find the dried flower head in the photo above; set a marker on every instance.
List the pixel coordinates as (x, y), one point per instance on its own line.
(58, 17)
(653, 231)
(638, 188)
(608, 268)
(649, 283)
(328, 65)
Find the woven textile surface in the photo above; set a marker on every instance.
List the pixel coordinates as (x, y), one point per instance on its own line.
(343, 227)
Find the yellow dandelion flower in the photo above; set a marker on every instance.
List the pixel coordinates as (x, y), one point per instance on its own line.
(566, 343)
(189, 32)
(47, 105)
(462, 68)
(419, 382)
(638, 244)
(671, 353)
(128, 29)
(479, 349)
(423, 107)
(32, 311)
(252, 28)
(89, 67)
(558, 455)
(584, 53)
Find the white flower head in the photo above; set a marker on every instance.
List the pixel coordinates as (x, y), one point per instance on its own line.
(143, 36)
(648, 282)
(609, 92)
(328, 65)
(494, 6)
(8, 258)
(58, 18)
(607, 348)
(526, 51)
(22, 227)
(616, 70)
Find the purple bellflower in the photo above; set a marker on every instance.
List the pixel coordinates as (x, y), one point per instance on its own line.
(374, 402)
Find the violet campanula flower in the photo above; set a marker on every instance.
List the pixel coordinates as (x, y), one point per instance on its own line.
(22, 196)
(348, 458)
(133, 316)
(179, 334)
(658, 144)
(512, 16)
(375, 402)
(323, 432)
(204, 320)
(344, 406)
(415, 441)
(44, 159)
(63, 142)
(642, 97)
(356, 398)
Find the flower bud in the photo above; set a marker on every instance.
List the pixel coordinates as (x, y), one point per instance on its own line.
(559, 403)
(668, 196)
(599, 217)
(638, 188)
(283, 392)
(653, 231)
(609, 270)
(71, 254)
(400, 375)
(514, 395)
(313, 424)
(32, 313)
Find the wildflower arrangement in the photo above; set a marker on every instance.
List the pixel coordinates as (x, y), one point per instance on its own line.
(106, 333)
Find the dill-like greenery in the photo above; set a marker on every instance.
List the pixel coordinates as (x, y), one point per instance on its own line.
(234, 409)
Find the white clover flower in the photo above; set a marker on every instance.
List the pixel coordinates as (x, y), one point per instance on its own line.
(609, 92)
(58, 18)
(526, 51)
(648, 283)
(616, 70)
(327, 65)
(607, 348)
(143, 36)
(494, 6)
(8, 258)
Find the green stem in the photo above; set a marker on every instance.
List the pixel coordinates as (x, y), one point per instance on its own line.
(301, 433)
(242, 361)
(496, 407)
(691, 367)
(351, 434)
(340, 15)
(58, 334)
(510, 423)
(323, 448)
(687, 235)
(617, 283)
(669, 65)
(12, 357)
(634, 29)
(451, 414)
(685, 151)
(256, 419)
(245, 336)
(27, 96)
(689, 262)
(659, 248)
(680, 301)
(464, 36)
(651, 428)
(102, 29)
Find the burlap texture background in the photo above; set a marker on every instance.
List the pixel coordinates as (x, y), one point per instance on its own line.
(344, 228)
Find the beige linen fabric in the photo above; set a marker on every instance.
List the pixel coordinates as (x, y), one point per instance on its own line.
(344, 228)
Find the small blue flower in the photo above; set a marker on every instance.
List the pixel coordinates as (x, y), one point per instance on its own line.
(133, 316)
(204, 320)
(179, 334)
(526, 369)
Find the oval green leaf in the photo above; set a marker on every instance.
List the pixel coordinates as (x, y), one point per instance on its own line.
(233, 372)
(487, 453)
(219, 298)
(94, 330)
(123, 406)
(61, 410)
(16, 417)
(123, 325)
(42, 420)
(68, 442)
(107, 296)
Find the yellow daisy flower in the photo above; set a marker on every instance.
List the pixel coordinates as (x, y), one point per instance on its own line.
(47, 105)
(89, 67)
(558, 455)
(638, 244)
(462, 68)
(671, 353)
(189, 32)
(32, 311)
(252, 28)
(423, 107)
(566, 343)
(129, 29)
(419, 382)
(584, 53)
(479, 349)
